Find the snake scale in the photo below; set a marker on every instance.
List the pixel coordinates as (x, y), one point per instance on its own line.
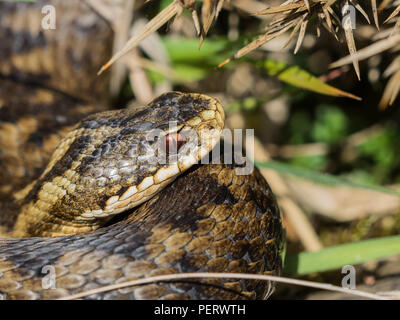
(74, 195)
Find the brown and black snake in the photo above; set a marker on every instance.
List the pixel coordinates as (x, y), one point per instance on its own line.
(80, 190)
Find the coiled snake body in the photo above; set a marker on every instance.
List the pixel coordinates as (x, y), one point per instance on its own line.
(91, 208)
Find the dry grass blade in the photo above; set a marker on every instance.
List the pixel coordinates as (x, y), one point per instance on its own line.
(281, 8)
(396, 28)
(392, 68)
(329, 3)
(181, 276)
(220, 4)
(255, 44)
(394, 13)
(196, 22)
(369, 51)
(208, 13)
(375, 13)
(293, 34)
(391, 91)
(334, 15)
(348, 31)
(307, 3)
(360, 9)
(289, 14)
(352, 49)
(175, 8)
(328, 19)
(301, 35)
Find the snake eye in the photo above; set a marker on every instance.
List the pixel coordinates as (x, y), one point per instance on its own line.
(173, 142)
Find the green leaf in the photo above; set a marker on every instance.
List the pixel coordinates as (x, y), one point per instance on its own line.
(321, 178)
(188, 63)
(336, 257)
(186, 50)
(302, 79)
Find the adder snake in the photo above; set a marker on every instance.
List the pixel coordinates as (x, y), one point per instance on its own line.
(86, 198)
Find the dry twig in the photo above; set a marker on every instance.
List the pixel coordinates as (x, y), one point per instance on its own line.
(182, 276)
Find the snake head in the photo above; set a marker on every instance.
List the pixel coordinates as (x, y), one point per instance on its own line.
(115, 160)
